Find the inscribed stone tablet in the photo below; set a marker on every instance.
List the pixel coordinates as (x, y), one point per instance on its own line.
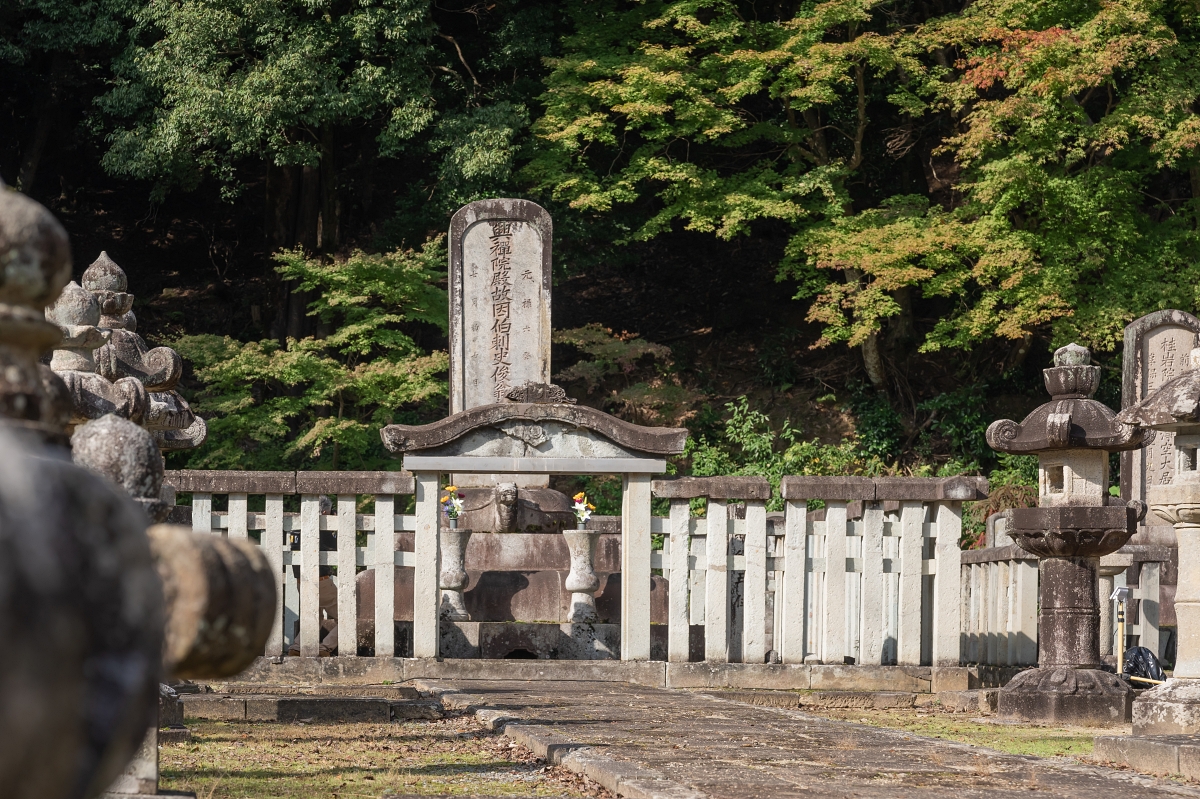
(1156, 351)
(499, 300)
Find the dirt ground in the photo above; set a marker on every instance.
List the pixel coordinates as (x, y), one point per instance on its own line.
(249, 760)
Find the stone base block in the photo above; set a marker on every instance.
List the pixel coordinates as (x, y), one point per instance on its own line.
(976, 701)
(1172, 708)
(1075, 697)
(160, 792)
(1164, 755)
(513, 640)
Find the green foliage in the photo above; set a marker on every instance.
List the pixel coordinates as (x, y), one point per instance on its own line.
(877, 426)
(209, 83)
(320, 402)
(961, 417)
(751, 446)
(642, 386)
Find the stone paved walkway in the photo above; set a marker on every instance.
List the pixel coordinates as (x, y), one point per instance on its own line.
(679, 744)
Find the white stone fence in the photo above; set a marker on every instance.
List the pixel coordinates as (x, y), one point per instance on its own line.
(779, 588)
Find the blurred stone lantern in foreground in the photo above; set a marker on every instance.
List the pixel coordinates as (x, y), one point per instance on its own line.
(1174, 708)
(1075, 524)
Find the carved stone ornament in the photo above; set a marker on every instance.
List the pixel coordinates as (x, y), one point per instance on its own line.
(1072, 420)
(540, 394)
(1175, 406)
(77, 312)
(1072, 531)
(650, 440)
(35, 265)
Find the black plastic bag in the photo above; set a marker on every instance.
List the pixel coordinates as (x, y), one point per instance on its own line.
(1141, 662)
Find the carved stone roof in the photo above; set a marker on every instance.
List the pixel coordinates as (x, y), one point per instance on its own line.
(1071, 420)
(1174, 406)
(650, 440)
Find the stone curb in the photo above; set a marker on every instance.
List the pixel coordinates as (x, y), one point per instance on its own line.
(621, 777)
(878, 700)
(249, 707)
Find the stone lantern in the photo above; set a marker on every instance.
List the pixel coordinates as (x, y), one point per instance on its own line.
(1174, 708)
(1074, 525)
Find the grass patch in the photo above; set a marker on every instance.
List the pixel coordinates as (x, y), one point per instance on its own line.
(1015, 739)
(257, 760)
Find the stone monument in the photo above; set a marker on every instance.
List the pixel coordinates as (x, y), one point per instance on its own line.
(1073, 526)
(1172, 411)
(500, 278)
(1156, 351)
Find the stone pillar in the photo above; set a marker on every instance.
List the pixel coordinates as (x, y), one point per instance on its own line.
(1069, 627)
(1106, 615)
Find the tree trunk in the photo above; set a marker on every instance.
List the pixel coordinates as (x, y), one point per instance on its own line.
(872, 359)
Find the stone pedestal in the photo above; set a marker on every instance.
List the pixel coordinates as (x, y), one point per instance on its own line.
(453, 577)
(582, 582)
(1174, 707)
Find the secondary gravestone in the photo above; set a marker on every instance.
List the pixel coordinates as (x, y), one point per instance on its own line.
(1156, 351)
(500, 253)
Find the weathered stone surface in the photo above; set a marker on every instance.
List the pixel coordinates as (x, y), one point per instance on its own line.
(951, 678)
(1072, 420)
(1157, 346)
(842, 489)
(352, 483)
(500, 278)
(227, 481)
(125, 454)
(1072, 531)
(507, 508)
(1149, 755)
(1172, 708)
(37, 254)
(82, 619)
(979, 700)
(359, 691)
(712, 488)
(170, 707)
(1081, 697)
(733, 751)
(220, 600)
(930, 489)
(126, 354)
(424, 438)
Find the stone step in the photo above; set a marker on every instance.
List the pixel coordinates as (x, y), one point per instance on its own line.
(367, 691)
(831, 699)
(315, 709)
(1162, 755)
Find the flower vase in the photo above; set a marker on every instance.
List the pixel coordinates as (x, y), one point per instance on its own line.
(453, 577)
(582, 582)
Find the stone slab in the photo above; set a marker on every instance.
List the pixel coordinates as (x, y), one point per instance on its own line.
(472, 463)
(712, 488)
(225, 481)
(912, 679)
(978, 700)
(787, 677)
(358, 691)
(1151, 755)
(952, 678)
(355, 483)
(627, 738)
(307, 709)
